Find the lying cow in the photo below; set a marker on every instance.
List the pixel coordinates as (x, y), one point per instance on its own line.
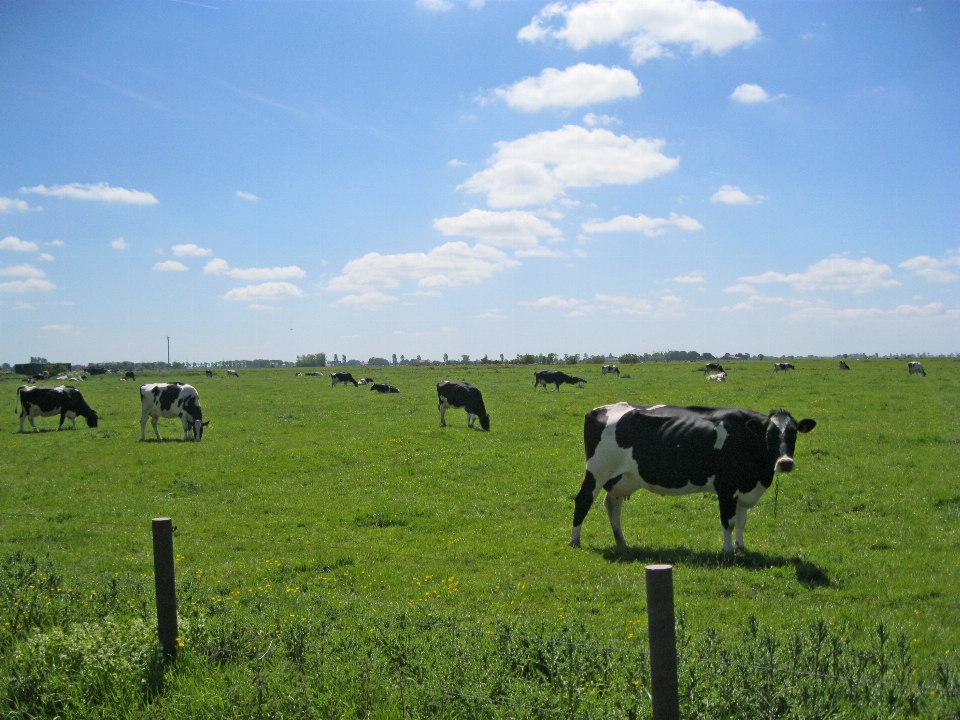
(557, 377)
(365, 381)
(314, 374)
(613, 369)
(730, 452)
(65, 401)
(343, 377)
(916, 368)
(462, 395)
(718, 377)
(843, 365)
(383, 388)
(777, 367)
(171, 400)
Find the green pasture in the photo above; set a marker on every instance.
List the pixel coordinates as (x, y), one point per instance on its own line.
(298, 484)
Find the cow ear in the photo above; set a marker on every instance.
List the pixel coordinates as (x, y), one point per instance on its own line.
(204, 424)
(806, 425)
(757, 428)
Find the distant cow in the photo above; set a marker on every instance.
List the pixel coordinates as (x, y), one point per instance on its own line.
(299, 374)
(171, 400)
(365, 381)
(730, 452)
(65, 401)
(233, 373)
(557, 377)
(462, 395)
(719, 377)
(129, 375)
(777, 367)
(314, 374)
(916, 368)
(209, 373)
(712, 367)
(343, 377)
(609, 369)
(383, 388)
(844, 366)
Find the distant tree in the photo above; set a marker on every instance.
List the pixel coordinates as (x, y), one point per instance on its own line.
(38, 360)
(501, 357)
(551, 359)
(571, 359)
(463, 358)
(5, 367)
(445, 358)
(595, 359)
(527, 359)
(336, 360)
(484, 360)
(760, 356)
(628, 359)
(394, 358)
(315, 360)
(378, 361)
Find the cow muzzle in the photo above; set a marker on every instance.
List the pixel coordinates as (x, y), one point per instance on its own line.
(785, 464)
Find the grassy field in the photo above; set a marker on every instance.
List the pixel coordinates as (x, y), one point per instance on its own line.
(364, 500)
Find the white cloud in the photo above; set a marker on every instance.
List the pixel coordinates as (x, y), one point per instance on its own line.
(18, 245)
(28, 271)
(834, 273)
(435, 5)
(693, 278)
(12, 205)
(593, 120)
(170, 266)
(536, 169)
(221, 267)
(553, 301)
(934, 270)
(46, 257)
(667, 306)
(748, 94)
(733, 195)
(190, 250)
(119, 244)
(101, 191)
(743, 289)
(752, 302)
(579, 85)
(649, 226)
(255, 306)
(448, 265)
(247, 196)
(515, 229)
(456, 163)
(56, 243)
(265, 291)
(20, 305)
(847, 316)
(31, 285)
(58, 328)
(373, 300)
(492, 314)
(644, 27)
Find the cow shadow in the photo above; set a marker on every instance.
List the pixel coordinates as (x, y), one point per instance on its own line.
(808, 574)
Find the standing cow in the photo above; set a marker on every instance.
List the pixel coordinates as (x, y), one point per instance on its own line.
(462, 395)
(65, 401)
(613, 369)
(556, 377)
(172, 400)
(916, 368)
(730, 452)
(343, 377)
(777, 367)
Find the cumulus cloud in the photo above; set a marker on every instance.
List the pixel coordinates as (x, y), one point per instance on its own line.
(256, 306)
(119, 244)
(514, 229)
(932, 269)
(190, 250)
(449, 265)
(644, 27)
(825, 313)
(221, 267)
(28, 271)
(265, 291)
(101, 192)
(170, 266)
(748, 94)
(579, 85)
(56, 243)
(592, 119)
(435, 5)
(753, 301)
(553, 301)
(30, 285)
(20, 305)
(18, 245)
(46, 257)
(742, 288)
(733, 195)
(15, 205)
(649, 226)
(537, 169)
(694, 278)
(834, 273)
(373, 300)
(666, 306)
(456, 163)
(247, 196)
(58, 328)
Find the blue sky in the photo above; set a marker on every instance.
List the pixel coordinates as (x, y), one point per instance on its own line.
(420, 178)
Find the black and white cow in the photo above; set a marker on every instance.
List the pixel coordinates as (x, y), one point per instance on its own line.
(365, 381)
(462, 395)
(343, 377)
(384, 388)
(232, 373)
(171, 400)
(843, 365)
(557, 377)
(730, 452)
(129, 375)
(209, 373)
(712, 367)
(65, 401)
(610, 369)
(916, 368)
(777, 367)
(718, 377)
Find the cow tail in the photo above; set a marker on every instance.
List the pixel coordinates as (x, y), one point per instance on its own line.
(16, 410)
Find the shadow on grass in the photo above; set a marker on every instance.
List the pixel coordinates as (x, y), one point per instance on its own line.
(808, 574)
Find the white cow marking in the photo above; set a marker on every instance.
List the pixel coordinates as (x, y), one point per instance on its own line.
(721, 436)
(655, 407)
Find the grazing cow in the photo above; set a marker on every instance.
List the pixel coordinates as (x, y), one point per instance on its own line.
(730, 452)
(65, 401)
(719, 377)
(383, 388)
(343, 377)
(609, 369)
(557, 377)
(714, 367)
(172, 400)
(916, 368)
(233, 373)
(462, 395)
(129, 375)
(209, 373)
(777, 367)
(844, 366)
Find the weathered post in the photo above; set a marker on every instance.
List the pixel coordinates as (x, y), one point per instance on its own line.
(165, 579)
(663, 643)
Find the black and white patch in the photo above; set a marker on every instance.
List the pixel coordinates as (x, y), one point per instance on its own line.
(384, 388)
(343, 377)
(65, 401)
(170, 400)
(556, 378)
(462, 395)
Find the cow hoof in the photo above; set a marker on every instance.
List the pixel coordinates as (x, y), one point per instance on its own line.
(574, 544)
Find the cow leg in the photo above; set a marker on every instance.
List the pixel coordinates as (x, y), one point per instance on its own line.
(186, 428)
(33, 424)
(582, 503)
(740, 522)
(470, 419)
(614, 505)
(143, 427)
(442, 407)
(154, 421)
(72, 417)
(728, 512)
(23, 416)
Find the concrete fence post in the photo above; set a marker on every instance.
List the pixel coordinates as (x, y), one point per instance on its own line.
(165, 580)
(663, 643)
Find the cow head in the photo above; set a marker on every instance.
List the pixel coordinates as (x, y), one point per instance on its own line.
(485, 421)
(779, 433)
(198, 426)
(92, 419)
